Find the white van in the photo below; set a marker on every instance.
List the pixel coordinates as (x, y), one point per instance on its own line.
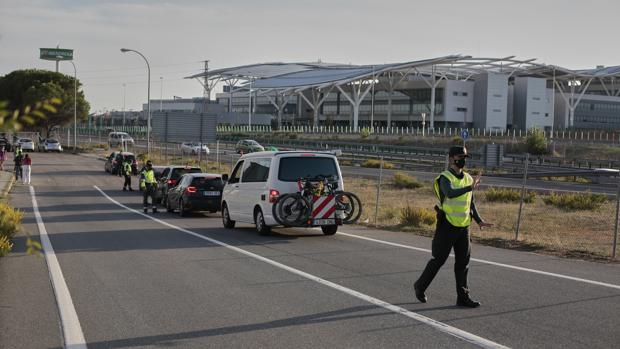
(118, 138)
(258, 179)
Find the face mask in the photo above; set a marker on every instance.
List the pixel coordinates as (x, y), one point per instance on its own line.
(460, 163)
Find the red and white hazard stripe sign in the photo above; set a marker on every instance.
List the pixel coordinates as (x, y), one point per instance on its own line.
(323, 207)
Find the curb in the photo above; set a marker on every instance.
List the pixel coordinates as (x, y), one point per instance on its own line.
(6, 183)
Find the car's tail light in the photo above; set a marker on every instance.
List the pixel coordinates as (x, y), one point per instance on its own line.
(273, 195)
(191, 190)
(172, 182)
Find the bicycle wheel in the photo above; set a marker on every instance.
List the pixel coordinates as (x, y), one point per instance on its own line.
(351, 206)
(292, 210)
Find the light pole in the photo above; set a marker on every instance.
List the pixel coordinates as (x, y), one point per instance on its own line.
(161, 94)
(148, 101)
(124, 94)
(74, 104)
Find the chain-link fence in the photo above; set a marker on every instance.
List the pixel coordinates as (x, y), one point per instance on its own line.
(537, 214)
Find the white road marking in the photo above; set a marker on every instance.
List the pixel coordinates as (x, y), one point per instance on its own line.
(503, 265)
(73, 337)
(453, 331)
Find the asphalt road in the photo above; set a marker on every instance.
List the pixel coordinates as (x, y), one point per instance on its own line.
(138, 282)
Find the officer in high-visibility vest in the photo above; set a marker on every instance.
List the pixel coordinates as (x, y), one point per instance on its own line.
(149, 184)
(18, 150)
(127, 172)
(454, 189)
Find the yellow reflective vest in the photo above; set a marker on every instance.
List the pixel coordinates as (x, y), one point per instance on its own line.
(149, 176)
(458, 209)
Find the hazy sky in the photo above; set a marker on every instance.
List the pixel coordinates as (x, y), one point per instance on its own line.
(177, 35)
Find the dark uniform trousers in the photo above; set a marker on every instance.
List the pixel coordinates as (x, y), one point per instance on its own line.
(127, 183)
(149, 190)
(447, 237)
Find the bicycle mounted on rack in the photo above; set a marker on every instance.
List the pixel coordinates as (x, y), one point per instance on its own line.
(317, 203)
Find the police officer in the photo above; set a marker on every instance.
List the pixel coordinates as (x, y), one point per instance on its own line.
(127, 172)
(454, 189)
(149, 184)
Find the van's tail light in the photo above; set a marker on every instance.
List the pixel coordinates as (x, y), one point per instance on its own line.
(191, 190)
(173, 182)
(273, 195)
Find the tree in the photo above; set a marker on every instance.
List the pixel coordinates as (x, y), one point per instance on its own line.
(22, 88)
(535, 142)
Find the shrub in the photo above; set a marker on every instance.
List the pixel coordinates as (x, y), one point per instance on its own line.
(508, 195)
(416, 216)
(370, 163)
(575, 201)
(365, 133)
(10, 219)
(292, 136)
(142, 157)
(535, 142)
(457, 140)
(404, 181)
(5, 245)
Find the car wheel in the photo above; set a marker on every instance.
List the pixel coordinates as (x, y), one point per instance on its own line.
(182, 211)
(259, 222)
(169, 208)
(228, 223)
(329, 229)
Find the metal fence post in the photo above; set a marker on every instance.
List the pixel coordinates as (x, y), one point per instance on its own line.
(615, 244)
(217, 155)
(378, 190)
(527, 161)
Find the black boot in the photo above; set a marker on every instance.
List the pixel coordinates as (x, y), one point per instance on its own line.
(154, 209)
(146, 210)
(463, 300)
(419, 294)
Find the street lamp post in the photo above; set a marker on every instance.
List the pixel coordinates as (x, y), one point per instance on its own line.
(74, 104)
(148, 101)
(161, 94)
(124, 95)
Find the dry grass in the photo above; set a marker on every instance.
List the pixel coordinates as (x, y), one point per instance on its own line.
(545, 228)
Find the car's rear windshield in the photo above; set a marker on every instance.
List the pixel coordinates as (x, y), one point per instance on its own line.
(25, 140)
(178, 172)
(126, 157)
(52, 141)
(293, 168)
(208, 183)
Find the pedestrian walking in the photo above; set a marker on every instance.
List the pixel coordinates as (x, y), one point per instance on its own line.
(27, 168)
(454, 189)
(18, 161)
(2, 158)
(149, 184)
(127, 172)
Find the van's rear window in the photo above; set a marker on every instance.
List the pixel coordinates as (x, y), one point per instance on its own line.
(208, 183)
(293, 168)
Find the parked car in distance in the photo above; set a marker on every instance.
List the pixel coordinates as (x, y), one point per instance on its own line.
(170, 176)
(26, 143)
(114, 161)
(118, 138)
(194, 148)
(4, 142)
(195, 192)
(50, 144)
(246, 146)
(258, 179)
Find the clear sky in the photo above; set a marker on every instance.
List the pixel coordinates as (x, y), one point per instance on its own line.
(177, 35)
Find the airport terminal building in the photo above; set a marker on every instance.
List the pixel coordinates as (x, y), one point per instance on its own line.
(486, 93)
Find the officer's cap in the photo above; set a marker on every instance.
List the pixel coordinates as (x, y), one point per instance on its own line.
(456, 150)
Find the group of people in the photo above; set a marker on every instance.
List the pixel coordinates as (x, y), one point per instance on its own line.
(22, 163)
(148, 182)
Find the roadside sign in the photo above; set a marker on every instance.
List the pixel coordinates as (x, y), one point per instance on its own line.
(465, 135)
(56, 54)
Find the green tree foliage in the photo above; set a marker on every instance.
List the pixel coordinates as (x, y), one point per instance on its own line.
(535, 142)
(23, 88)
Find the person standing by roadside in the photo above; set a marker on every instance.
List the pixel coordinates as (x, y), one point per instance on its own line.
(2, 158)
(127, 172)
(454, 189)
(27, 168)
(18, 161)
(149, 184)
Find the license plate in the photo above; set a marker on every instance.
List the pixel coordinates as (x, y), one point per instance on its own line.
(211, 193)
(330, 221)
